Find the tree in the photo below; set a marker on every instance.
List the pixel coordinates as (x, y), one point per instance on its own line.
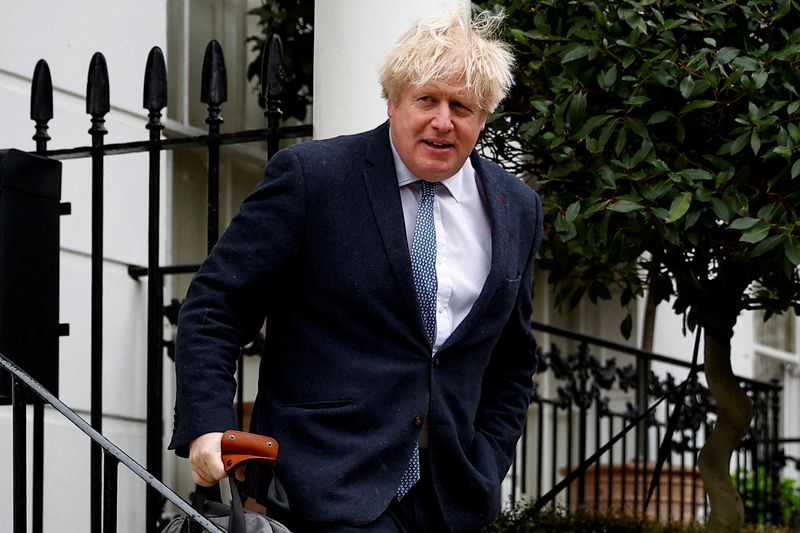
(293, 21)
(662, 136)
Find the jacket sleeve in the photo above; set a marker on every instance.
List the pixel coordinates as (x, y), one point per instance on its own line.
(507, 382)
(230, 296)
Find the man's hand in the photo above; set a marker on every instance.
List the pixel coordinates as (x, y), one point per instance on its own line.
(205, 459)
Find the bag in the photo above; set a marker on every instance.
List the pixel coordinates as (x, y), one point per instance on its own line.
(233, 518)
(237, 447)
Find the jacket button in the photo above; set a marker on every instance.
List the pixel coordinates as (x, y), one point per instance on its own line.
(437, 362)
(418, 421)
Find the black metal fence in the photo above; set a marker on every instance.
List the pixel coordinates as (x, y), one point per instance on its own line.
(584, 401)
(111, 456)
(214, 95)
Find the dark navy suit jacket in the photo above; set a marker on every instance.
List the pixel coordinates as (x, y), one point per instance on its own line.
(319, 248)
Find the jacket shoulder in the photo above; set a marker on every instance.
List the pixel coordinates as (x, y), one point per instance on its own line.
(513, 184)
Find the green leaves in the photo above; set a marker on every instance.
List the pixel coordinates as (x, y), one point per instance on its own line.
(726, 55)
(578, 52)
(607, 79)
(624, 206)
(664, 130)
(755, 234)
(792, 250)
(687, 87)
(679, 207)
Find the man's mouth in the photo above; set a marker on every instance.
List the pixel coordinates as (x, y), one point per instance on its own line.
(437, 145)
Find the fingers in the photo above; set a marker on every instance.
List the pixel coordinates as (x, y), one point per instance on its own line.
(205, 459)
(240, 472)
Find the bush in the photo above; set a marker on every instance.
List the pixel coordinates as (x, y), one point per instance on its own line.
(522, 519)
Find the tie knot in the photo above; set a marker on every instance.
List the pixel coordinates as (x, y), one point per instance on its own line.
(429, 188)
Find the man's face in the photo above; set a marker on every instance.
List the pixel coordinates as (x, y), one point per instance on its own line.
(434, 128)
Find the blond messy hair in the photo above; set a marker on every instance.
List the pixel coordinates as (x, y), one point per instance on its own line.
(451, 46)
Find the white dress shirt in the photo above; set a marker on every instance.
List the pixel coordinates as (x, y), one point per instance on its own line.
(463, 241)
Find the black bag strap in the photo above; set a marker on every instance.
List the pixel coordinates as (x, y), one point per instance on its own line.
(236, 522)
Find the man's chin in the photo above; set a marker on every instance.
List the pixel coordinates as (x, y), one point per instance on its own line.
(436, 172)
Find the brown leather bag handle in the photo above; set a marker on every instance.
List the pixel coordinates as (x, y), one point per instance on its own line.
(239, 446)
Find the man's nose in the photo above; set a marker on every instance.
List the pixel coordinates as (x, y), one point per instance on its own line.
(442, 118)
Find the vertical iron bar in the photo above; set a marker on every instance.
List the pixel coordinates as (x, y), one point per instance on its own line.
(624, 461)
(514, 464)
(774, 453)
(597, 425)
(19, 457)
(582, 423)
(693, 440)
(539, 449)
(97, 105)
(214, 92)
(754, 460)
(611, 474)
(683, 476)
(642, 371)
(570, 437)
(658, 486)
(524, 466)
(636, 463)
(41, 112)
(213, 186)
(154, 100)
(705, 438)
(554, 439)
(110, 494)
(37, 511)
(669, 484)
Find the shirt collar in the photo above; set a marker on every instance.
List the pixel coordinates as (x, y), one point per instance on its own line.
(453, 184)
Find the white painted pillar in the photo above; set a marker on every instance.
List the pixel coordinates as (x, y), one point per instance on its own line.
(350, 40)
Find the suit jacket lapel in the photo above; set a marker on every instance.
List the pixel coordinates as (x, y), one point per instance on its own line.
(497, 203)
(380, 179)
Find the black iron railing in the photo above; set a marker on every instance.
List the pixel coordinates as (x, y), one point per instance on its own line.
(214, 95)
(111, 455)
(582, 403)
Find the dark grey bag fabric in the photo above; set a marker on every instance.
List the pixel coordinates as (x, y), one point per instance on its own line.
(233, 519)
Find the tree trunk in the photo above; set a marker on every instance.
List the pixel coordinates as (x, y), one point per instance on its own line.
(734, 412)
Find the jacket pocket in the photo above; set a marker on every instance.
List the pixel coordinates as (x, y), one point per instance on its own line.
(320, 404)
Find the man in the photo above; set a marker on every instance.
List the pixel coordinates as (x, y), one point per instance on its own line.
(394, 268)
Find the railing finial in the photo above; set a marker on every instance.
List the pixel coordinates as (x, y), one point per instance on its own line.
(273, 75)
(41, 93)
(214, 89)
(98, 102)
(155, 81)
(41, 103)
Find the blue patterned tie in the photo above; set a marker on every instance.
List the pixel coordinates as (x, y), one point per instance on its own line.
(423, 266)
